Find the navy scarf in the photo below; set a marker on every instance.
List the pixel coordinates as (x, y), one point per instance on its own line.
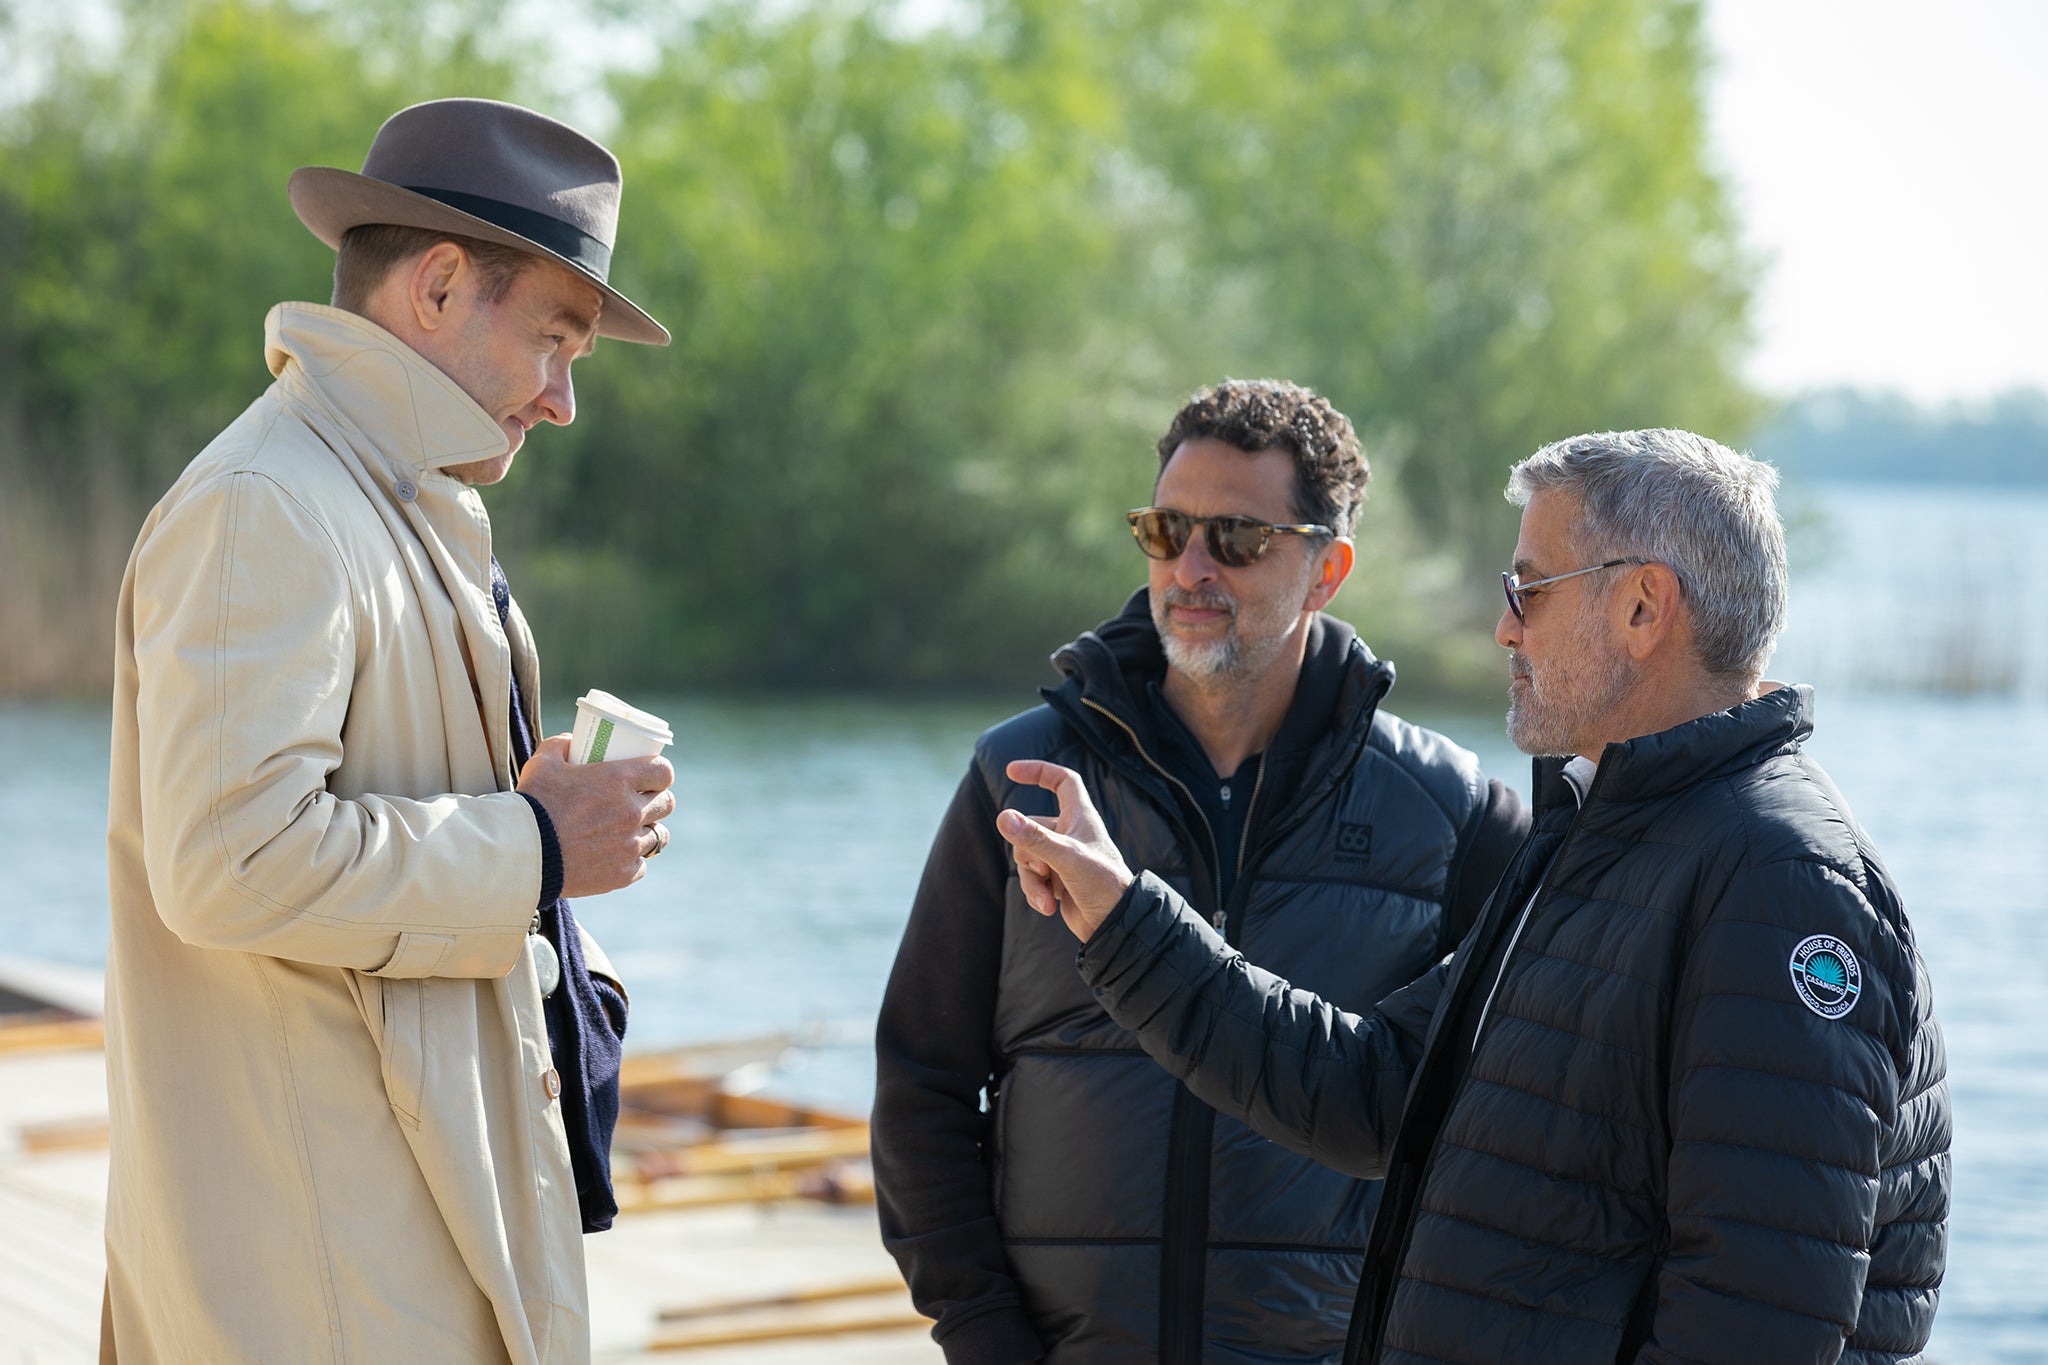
(586, 1015)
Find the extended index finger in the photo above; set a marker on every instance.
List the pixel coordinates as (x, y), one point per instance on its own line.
(1064, 783)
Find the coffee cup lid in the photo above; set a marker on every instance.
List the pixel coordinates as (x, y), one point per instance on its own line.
(609, 706)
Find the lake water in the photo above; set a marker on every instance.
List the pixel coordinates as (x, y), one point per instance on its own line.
(804, 827)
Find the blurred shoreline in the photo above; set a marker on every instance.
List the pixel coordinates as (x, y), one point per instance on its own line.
(1937, 568)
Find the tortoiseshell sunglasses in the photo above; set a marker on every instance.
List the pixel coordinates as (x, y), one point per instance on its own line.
(1233, 541)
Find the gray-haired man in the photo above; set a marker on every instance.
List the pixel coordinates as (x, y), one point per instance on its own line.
(1679, 1097)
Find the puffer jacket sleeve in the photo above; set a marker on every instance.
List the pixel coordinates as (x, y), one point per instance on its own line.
(245, 648)
(1315, 1079)
(1808, 1173)
(934, 1055)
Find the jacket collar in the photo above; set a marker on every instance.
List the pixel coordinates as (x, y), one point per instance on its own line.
(406, 407)
(1340, 687)
(1701, 750)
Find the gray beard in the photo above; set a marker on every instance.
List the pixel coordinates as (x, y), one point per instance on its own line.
(1207, 662)
(1231, 659)
(1565, 718)
(1530, 735)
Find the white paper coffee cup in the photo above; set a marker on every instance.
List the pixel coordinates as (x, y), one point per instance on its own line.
(607, 728)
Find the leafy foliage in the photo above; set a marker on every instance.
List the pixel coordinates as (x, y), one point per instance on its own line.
(935, 288)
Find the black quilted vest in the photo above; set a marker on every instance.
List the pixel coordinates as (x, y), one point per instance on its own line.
(1140, 1224)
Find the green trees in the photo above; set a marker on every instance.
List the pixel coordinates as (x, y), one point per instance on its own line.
(934, 287)
(1477, 228)
(144, 232)
(892, 439)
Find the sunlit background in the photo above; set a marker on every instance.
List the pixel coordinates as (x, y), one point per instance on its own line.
(939, 273)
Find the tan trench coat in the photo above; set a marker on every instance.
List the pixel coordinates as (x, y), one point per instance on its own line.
(335, 1128)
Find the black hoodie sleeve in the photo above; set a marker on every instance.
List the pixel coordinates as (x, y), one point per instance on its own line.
(933, 1057)
(1486, 845)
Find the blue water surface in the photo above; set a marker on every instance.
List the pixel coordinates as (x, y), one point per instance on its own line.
(803, 827)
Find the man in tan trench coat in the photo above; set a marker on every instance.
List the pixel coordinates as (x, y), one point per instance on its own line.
(337, 1120)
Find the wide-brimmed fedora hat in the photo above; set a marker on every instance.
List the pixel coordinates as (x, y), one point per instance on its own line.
(493, 171)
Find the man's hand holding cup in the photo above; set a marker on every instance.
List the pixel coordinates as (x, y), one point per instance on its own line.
(606, 788)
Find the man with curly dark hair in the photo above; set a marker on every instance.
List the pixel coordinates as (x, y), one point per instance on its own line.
(1050, 1193)
(1330, 469)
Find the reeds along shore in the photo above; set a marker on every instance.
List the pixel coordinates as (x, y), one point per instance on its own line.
(64, 542)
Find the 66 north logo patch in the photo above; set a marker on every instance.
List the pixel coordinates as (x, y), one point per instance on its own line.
(1826, 975)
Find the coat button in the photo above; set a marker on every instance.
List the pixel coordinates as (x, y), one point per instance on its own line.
(551, 1081)
(407, 490)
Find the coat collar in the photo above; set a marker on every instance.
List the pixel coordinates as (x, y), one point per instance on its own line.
(410, 411)
(1701, 750)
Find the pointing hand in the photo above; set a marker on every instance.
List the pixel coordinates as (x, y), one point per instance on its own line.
(1065, 863)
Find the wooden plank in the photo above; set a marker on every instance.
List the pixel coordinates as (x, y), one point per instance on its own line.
(50, 1035)
(698, 1339)
(641, 1132)
(822, 1293)
(688, 1097)
(761, 1187)
(738, 1155)
(703, 1098)
(711, 1191)
(700, 1061)
(64, 1135)
(755, 1111)
(51, 1268)
(749, 1240)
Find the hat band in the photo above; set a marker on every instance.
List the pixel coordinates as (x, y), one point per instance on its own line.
(566, 240)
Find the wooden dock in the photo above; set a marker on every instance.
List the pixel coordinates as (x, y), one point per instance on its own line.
(722, 1262)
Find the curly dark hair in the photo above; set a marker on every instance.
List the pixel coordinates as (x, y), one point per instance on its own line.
(1254, 415)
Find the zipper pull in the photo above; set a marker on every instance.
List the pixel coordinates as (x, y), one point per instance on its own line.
(1216, 921)
(1226, 796)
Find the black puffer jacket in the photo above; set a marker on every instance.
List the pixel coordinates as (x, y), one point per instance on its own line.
(1705, 1120)
(1097, 1212)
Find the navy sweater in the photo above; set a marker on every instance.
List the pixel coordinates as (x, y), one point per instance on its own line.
(586, 1015)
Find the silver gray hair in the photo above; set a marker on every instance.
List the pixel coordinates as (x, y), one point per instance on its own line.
(1682, 500)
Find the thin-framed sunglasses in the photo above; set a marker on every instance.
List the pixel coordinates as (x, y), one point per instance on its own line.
(1233, 541)
(1514, 587)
